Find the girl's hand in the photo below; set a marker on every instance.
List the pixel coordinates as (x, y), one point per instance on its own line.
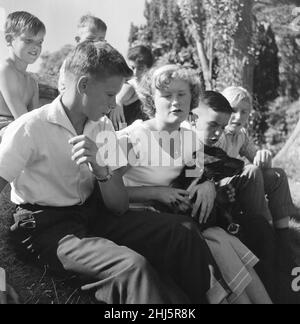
(117, 117)
(171, 197)
(263, 159)
(85, 152)
(205, 198)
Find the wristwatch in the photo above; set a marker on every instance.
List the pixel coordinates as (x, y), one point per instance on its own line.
(107, 177)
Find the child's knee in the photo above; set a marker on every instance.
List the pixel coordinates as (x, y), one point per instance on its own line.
(276, 173)
(275, 179)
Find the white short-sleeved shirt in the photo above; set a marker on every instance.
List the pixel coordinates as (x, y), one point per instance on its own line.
(155, 167)
(35, 157)
(238, 144)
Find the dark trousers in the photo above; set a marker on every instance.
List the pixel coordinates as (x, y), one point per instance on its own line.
(137, 258)
(258, 233)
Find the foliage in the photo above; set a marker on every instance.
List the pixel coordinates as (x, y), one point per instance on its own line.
(266, 81)
(51, 64)
(279, 18)
(197, 33)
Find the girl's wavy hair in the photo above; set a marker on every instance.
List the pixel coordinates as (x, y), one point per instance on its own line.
(159, 78)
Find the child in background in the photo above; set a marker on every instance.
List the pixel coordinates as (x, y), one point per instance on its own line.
(89, 28)
(236, 142)
(19, 93)
(129, 106)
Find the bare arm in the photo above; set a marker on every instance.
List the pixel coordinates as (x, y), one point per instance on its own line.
(142, 194)
(36, 97)
(115, 195)
(10, 92)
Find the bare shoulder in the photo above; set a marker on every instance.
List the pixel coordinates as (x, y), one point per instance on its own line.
(7, 72)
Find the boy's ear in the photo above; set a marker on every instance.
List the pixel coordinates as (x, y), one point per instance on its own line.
(82, 84)
(9, 38)
(77, 39)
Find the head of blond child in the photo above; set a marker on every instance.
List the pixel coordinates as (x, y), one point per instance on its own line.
(241, 102)
(91, 28)
(24, 35)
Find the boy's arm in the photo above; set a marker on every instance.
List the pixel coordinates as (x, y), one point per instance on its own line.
(36, 97)
(249, 149)
(10, 92)
(125, 97)
(114, 191)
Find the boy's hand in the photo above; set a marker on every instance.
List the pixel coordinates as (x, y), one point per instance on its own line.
(206, 196)
(263, 159)
(85, 152)
(117, 116)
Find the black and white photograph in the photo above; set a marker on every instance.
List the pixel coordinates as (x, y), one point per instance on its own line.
(150, 154)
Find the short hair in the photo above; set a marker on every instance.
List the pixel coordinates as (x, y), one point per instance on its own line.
(97, 59)
(19, 22)
(160, 78)
(142, 55)
(217, 102)
(93, 21)
(237, 94)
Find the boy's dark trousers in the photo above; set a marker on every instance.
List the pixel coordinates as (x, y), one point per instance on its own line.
(137, 258)
(258, 234)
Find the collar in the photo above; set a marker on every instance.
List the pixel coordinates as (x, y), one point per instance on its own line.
(57, 115)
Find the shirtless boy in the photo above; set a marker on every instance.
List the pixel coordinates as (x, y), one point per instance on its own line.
(24, 35)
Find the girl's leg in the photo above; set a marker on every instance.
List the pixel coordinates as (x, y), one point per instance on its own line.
(256, 290)
(242, 300)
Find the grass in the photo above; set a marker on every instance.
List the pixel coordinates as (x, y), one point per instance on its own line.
(33, 285)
